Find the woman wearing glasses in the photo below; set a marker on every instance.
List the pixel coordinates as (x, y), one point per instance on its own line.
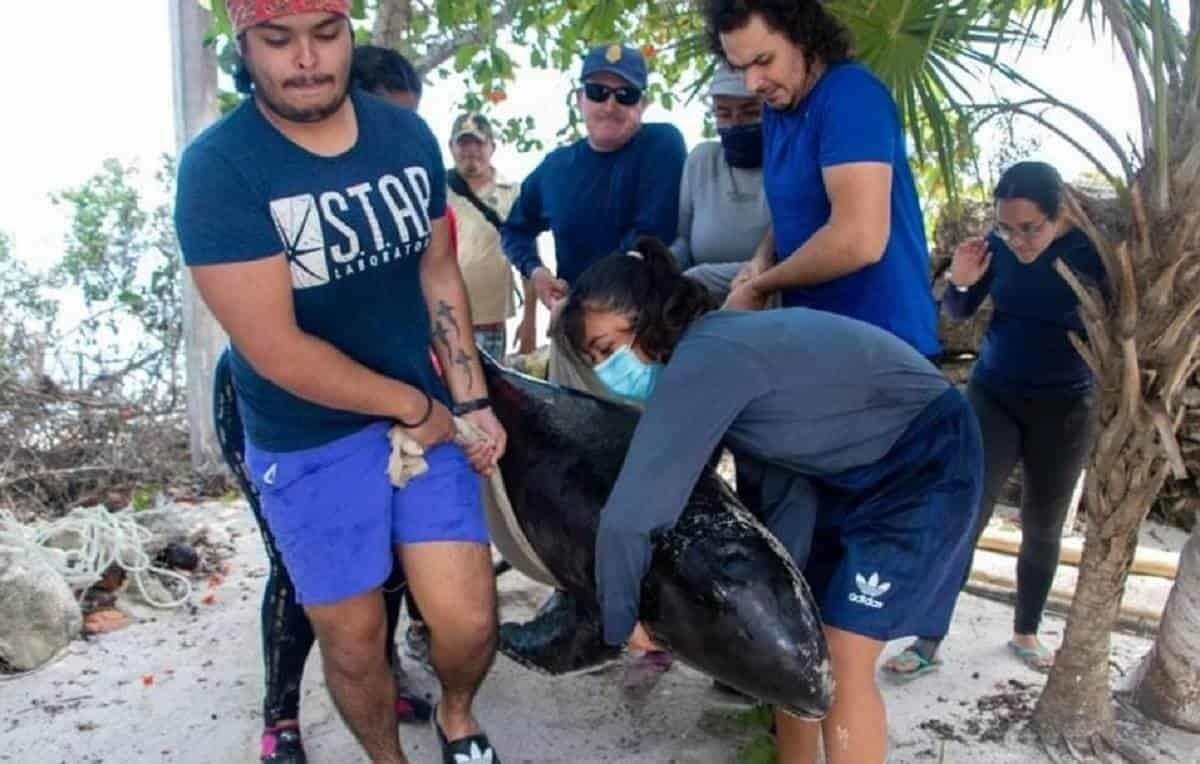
(1030, 388)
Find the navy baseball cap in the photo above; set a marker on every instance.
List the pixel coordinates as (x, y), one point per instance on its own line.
(621, 60)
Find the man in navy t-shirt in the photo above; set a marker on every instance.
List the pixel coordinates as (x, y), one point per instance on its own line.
(600, 193)
(597, 196)
(846, 222)
(312, 221)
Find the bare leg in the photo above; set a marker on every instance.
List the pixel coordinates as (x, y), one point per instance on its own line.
(350, 634)
(855, 731)
(456, 590)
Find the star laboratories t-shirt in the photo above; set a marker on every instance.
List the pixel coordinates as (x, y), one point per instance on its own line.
(353, 228)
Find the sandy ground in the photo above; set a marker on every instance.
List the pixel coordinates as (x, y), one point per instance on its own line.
(184, 686)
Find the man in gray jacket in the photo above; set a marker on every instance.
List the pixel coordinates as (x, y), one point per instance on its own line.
(723, 211)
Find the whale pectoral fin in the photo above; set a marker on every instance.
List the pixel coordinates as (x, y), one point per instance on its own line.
(563, 638)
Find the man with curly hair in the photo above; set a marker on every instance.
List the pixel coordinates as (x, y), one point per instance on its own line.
(847, 237)
(846, 221)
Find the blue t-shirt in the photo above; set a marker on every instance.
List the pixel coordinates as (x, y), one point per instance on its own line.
(849, 116)
(598, 202)
(1026, 351)
(353, 228)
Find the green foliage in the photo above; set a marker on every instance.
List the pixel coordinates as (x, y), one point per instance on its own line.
(96, 405)
(122, 256)
(27, 314)
(143, 497)
(924, 49)
(118, 253)
(928, 52)
(756, 725)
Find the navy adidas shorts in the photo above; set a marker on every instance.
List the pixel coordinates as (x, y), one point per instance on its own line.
(337, 518)
(893, 538)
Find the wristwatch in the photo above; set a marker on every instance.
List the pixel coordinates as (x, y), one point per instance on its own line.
(475, 404)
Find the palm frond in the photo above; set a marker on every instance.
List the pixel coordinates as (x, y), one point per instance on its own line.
(929, 53)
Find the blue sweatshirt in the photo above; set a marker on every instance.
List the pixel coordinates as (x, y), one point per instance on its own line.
(806, 391)
(1026, 351)
(597, 202)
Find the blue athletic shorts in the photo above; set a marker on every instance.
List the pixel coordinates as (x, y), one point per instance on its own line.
(893, 538)
(337, 518)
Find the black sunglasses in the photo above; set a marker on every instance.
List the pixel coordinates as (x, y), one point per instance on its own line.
(627, 95)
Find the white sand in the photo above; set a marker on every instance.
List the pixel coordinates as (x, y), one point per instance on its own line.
(204, 702)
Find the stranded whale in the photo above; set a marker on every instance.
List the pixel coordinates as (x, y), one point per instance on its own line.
(722, 594)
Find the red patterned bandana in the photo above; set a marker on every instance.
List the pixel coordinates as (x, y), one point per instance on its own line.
(247, 13)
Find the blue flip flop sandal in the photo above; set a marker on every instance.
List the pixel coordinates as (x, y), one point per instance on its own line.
(1033, 657)
(911, 655)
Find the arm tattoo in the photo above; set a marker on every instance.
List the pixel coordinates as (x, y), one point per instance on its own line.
(441, 335)
(445, 315)
(446, 312)
(463, 360)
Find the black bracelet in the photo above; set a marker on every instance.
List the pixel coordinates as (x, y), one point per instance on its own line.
(424, 417)
(475, 404)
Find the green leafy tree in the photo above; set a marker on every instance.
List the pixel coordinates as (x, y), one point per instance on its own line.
(121, 255)
(91, 410)
(926, 50)
(27, 317)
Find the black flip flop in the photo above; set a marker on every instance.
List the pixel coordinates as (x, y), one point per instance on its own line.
(472, 749)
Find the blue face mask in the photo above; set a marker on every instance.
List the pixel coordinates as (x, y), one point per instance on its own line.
(628, 376)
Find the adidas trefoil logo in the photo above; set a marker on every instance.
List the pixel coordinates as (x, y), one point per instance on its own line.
(475, 755)
(869, 589)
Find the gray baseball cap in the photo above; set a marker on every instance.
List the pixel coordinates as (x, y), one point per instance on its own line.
(727, 82)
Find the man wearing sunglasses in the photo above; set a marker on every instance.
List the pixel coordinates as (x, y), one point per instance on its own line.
(598, 195)
(602, 192)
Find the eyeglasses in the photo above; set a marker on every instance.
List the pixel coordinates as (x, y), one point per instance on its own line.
(1027, 231)
(627, 95)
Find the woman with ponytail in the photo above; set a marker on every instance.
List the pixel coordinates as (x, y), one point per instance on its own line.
(871, 463)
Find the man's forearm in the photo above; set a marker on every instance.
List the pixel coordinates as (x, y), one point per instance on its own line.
(453, 334)
(764, 253)
(827, 255)
(521, 251)
(530, 305)
(313, 369)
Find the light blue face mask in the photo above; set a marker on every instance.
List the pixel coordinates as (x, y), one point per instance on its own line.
(628, 376)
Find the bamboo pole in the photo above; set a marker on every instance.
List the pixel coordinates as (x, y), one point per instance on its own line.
(1134, 619)
(1147, 562)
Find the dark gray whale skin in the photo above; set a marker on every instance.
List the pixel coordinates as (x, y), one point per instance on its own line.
(721, 594)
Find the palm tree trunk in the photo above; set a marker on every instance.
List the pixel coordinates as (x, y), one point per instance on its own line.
(1077, 701)
(1168, 687)
(195, 80)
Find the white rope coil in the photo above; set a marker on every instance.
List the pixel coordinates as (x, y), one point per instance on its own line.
(87, 541)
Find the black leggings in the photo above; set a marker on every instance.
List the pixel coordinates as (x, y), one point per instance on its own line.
(286, 632)
(1052, 438)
